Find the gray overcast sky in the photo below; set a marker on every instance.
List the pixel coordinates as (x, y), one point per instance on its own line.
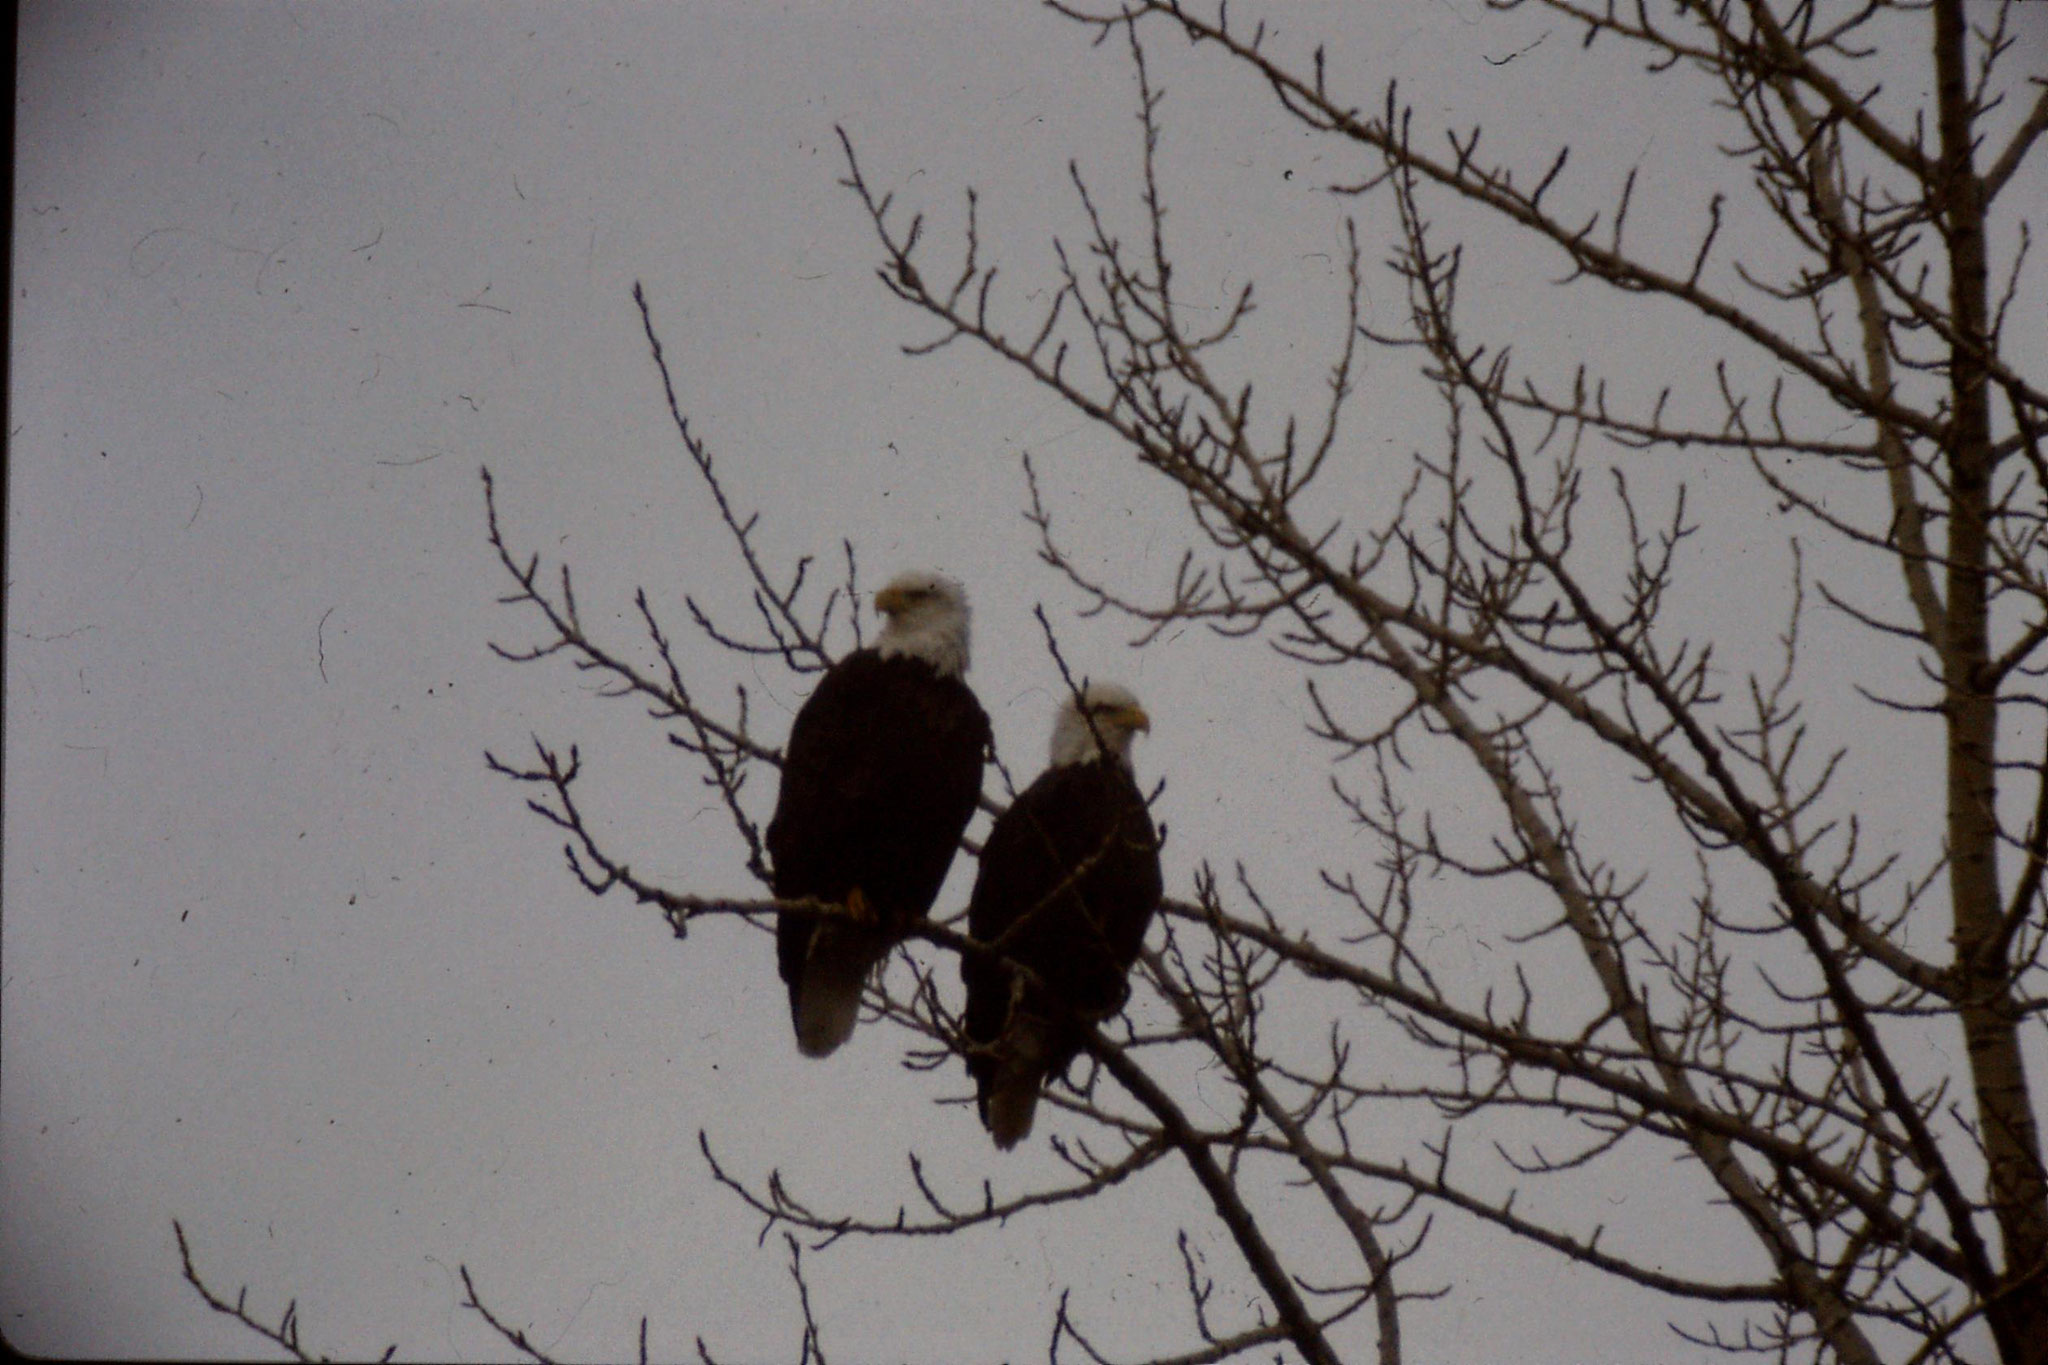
(281, 959)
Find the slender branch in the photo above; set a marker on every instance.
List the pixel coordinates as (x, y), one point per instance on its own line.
(284, 1334)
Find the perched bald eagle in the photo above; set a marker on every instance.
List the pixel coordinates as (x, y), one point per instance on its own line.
(882, 772)
(1068, 884)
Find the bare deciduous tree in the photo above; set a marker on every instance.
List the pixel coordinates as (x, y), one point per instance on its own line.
(1723, 965)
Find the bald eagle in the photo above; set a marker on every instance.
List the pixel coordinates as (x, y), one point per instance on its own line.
(1068, 884)
(881, 774)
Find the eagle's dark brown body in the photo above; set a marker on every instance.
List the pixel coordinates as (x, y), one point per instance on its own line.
(1068, 885)
(880, 777)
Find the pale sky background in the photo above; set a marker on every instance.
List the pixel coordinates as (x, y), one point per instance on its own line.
(283, 961)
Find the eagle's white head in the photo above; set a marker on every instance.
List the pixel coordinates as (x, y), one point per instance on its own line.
(924, 615)
(1101, 720)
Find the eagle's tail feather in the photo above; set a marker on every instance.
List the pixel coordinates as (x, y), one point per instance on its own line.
(1010, 1100)
(828, 1004)
(1011, 1107)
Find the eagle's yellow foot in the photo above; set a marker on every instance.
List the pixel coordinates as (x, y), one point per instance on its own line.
(859, 911)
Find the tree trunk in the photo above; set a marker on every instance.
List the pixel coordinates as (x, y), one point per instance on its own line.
(2017, 1192)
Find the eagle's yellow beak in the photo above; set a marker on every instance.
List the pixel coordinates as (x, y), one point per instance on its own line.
(1134, 718)
(891, 600)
